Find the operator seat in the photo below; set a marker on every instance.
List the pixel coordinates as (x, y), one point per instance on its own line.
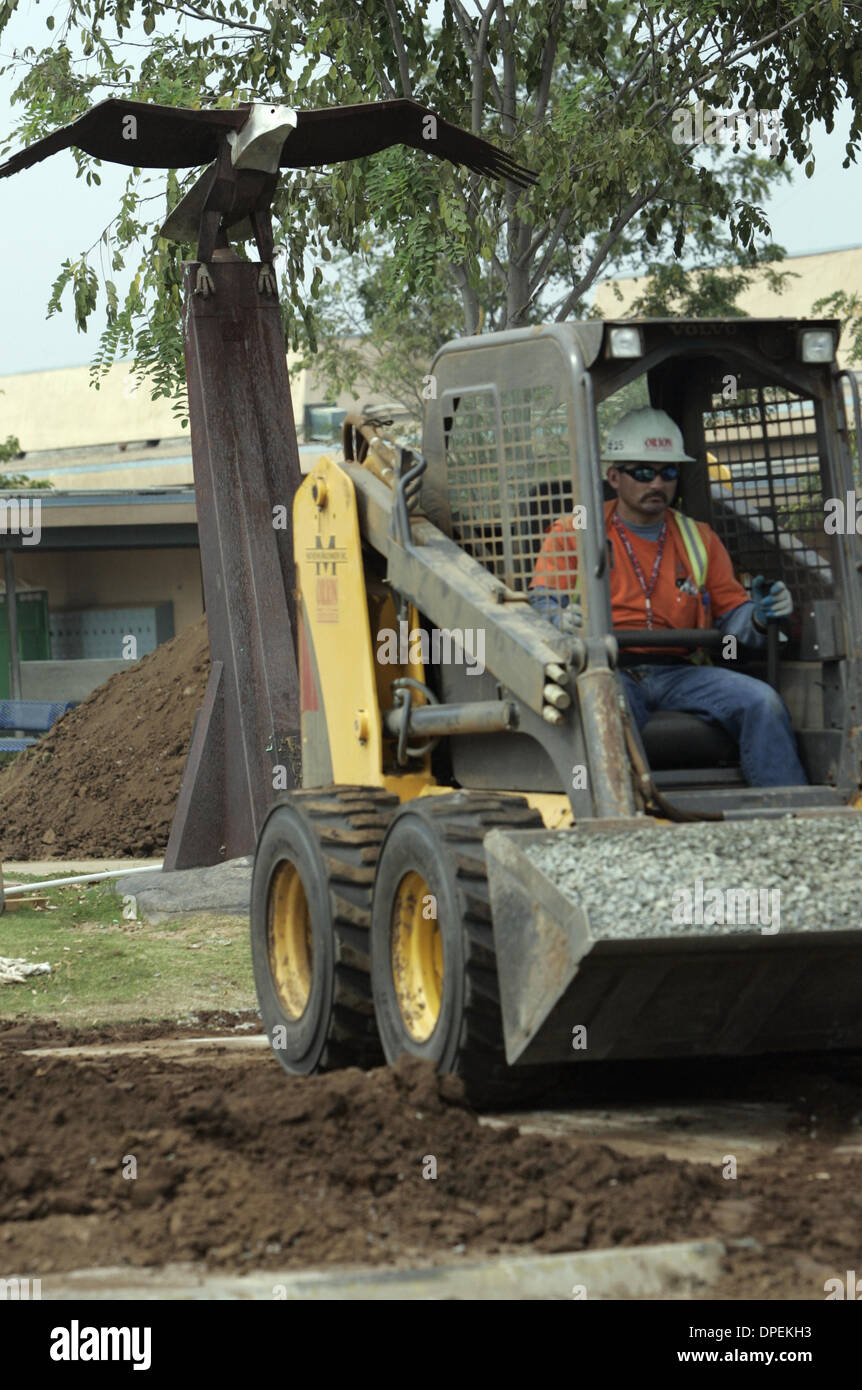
(672, 739)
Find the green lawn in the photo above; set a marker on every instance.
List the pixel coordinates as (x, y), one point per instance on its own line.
(105, 968)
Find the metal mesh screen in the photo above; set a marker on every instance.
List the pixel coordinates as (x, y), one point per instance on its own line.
(509, 471)
(766, 490)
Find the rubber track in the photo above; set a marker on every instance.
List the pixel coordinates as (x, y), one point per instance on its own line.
(462, 820)
(350, 823)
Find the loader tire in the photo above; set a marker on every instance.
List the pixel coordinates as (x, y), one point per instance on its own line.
(435, 984)
(310, 920)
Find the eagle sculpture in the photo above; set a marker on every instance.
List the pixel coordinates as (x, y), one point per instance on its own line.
(246, 148)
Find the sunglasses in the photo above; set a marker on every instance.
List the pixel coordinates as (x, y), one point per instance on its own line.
(644, 473)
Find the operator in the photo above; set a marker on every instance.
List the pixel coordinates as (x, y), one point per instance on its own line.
(667, 571)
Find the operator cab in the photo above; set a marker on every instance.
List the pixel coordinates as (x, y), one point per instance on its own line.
(753, 417)
(761, 406)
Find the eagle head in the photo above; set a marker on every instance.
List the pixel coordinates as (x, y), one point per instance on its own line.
(258, 145)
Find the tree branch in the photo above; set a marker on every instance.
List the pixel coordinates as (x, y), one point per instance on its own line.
(561, 224)
(398, 40)
(499, 268)
(480, 55)
(617, 226)
(515, 239)
(549, 52)
(192, 12)
(469, 299)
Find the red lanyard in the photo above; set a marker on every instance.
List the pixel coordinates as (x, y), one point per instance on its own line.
(647, 588)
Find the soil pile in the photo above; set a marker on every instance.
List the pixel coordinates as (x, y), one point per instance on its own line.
(242, 1167)
(105, 779)
(241, 1163)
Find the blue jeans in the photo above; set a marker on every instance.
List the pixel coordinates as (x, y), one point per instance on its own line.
(750, 711)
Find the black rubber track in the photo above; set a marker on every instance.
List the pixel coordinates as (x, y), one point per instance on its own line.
(461, 820)
(350, 823)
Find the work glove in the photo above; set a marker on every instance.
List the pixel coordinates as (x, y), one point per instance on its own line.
(571, 618)
(776, 603)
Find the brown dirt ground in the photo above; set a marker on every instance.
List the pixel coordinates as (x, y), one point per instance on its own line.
(241, 1167)
(104, 780)
(205, 1023)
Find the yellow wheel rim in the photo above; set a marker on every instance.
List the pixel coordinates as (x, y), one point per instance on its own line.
(289, 937)
(417, 956)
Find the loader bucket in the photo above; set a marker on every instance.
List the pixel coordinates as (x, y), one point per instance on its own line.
(578, 986)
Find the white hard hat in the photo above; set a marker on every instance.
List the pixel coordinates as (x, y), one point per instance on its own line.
(645, 436)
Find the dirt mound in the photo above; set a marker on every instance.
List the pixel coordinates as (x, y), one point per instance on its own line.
(241, 1163)
(239, 1166)
(104, 780)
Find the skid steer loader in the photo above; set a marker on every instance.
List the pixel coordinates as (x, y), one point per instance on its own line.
(448, 729)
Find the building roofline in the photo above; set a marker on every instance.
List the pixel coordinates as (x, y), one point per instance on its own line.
(706, 265)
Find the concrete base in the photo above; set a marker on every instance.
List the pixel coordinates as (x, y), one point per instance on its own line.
(221, 888)
(681, 1271)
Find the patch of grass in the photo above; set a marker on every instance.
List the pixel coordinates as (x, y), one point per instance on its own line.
(106, 967)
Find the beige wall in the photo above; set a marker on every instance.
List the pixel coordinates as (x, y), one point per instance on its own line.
(117, 579)
(814, 277)
(61, 410)
(119, 479)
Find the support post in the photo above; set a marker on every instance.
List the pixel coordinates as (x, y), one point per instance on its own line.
(246, 468)
(12, 624)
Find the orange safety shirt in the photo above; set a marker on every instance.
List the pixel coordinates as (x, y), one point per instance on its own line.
(672, 606)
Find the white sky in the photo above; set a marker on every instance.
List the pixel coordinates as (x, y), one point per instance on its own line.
(49, 216)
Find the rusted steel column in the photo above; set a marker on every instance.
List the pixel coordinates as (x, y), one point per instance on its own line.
(246, 464)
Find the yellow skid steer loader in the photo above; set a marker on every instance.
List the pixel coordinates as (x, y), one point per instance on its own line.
(488, 865)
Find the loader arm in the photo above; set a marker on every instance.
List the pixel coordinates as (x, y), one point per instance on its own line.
(523, 652)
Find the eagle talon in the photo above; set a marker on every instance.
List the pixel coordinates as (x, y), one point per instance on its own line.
(266, 281)
(204, 284)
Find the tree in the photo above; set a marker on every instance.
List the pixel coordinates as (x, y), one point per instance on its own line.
(713, 291)
(10, 448)
(846, 306)
(587, 96)
(368, 331)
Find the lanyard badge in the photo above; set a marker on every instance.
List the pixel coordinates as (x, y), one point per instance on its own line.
(647, 588)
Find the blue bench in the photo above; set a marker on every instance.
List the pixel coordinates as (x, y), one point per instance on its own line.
(30, 717)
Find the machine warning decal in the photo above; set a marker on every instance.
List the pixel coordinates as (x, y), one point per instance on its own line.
(326, 557)
(327, 599)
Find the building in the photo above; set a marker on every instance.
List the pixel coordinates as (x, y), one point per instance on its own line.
(115, 567)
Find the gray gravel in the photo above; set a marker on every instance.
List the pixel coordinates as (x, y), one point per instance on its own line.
(807, 874)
